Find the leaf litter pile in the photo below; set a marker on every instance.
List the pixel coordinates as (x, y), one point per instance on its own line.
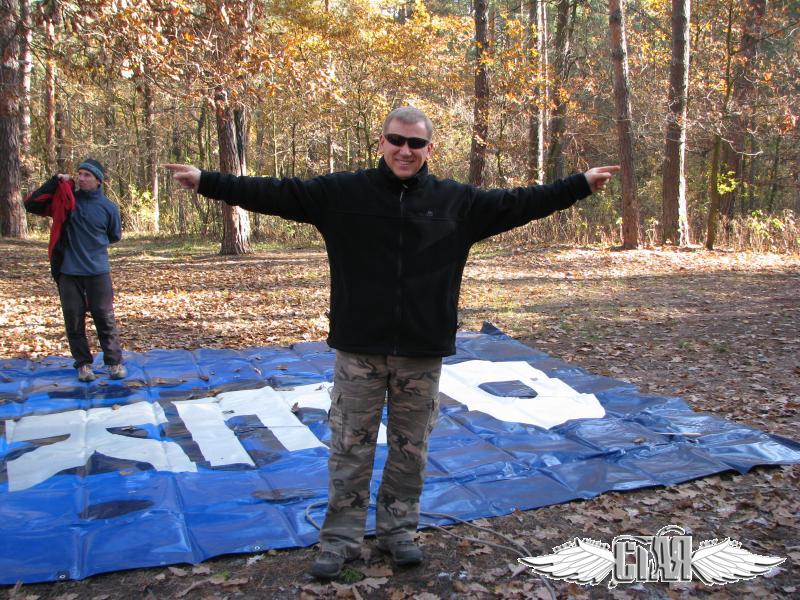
(718, 329)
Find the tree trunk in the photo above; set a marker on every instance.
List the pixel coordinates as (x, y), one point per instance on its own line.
(176, 155)
(734, 148)
(293, 149)
(537, 113)
(498, 152)
(240, 125)
(274, 143)
(26, 63)
(558, 121)
(152, 147)
(63, 152)
(50, 94)
(545, 75)
(674, 221)
(714, 197)
(773, 186)
(13, 222)
(328, 103)
(619, 51)
(480, 126)
(713, 194)
(201, 146)
(235, 221)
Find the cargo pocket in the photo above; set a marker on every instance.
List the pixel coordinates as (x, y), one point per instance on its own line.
(336, 420)
(354, 422)
(434, 415)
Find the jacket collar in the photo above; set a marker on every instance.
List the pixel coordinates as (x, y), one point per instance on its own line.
(417, 179)
(93, 195)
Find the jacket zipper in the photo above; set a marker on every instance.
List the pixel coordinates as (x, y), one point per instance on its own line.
(399, 291)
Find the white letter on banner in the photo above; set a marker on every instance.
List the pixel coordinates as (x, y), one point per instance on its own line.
(205, 419)
(87, 430)
(555, 401)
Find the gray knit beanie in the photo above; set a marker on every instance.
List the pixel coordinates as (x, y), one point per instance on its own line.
(94, 167)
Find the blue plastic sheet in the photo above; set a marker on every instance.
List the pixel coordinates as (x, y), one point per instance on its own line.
(210, 452)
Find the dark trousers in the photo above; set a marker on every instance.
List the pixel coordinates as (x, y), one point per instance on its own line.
(95, 294)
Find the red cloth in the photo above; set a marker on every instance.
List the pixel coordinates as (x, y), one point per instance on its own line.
(63, 203)
(57, 205)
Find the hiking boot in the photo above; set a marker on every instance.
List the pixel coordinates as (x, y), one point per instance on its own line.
(327, 565)
(404, 553)
(85, 373)
(117, 371)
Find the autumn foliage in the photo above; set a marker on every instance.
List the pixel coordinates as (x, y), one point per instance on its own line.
(136, 83)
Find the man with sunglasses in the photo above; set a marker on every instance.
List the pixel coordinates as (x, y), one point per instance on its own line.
(397, 240)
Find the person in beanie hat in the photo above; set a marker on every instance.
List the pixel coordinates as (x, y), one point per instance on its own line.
(89, 223)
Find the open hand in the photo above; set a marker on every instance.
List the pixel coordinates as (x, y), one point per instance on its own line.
(597, 177)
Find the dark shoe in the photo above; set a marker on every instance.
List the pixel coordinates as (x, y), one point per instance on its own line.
(117, 371)
(327, 565)
(404, 553)
(85, 373)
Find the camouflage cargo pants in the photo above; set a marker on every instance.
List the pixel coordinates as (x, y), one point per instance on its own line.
(362, 383)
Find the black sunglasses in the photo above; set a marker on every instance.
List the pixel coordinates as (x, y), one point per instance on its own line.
(415, 143)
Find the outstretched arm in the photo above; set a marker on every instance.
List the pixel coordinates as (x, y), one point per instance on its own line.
(597, 177)
(186, 175)
(289, 198)
(498, 210)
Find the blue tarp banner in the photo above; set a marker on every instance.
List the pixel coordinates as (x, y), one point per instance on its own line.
(210, 452)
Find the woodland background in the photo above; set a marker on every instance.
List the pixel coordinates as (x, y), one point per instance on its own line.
(699, 102)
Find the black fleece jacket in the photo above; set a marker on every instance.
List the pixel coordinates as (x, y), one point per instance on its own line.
(396, 248)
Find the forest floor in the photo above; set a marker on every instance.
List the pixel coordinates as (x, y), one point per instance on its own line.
(719, 329)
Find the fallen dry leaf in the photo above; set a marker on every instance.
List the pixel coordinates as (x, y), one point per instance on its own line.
(377, 571)
(201, 570)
